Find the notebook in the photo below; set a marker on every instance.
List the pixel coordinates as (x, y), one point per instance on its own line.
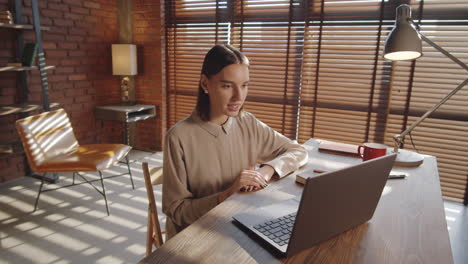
(330, 204)
(338, 148)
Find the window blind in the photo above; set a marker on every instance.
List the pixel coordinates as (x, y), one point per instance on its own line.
(444, 135)
(317, 70)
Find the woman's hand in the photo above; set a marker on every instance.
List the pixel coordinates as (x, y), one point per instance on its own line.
(266, 172)
(249, 180)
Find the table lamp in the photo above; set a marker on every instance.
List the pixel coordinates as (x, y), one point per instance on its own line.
(124, 63)
(404, 43)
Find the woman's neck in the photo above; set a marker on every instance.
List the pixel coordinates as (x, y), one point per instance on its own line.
(219, 120)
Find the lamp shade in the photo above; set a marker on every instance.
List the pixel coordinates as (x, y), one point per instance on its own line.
(404, 41)
(124, 59)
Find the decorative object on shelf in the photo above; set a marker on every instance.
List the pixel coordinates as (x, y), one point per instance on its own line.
(6, 149)
(404, 43)
(29, 54)
(14, 64)
(6, 17)
(124, 63)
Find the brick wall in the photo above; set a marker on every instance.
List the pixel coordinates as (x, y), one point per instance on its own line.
(78, 44)
(148, 35)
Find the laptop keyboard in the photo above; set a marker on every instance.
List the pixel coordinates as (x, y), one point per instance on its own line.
(279, 229)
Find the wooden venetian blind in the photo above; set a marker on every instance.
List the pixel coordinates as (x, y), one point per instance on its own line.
(345, 80)
(317, 70)
(420, 85)
(192, 28)
(273, 45)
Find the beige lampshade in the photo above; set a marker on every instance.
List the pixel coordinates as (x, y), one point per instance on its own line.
(124, 59)
(404, 41)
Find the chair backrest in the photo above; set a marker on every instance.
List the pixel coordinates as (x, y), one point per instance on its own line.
(154, 235)
(46, 135)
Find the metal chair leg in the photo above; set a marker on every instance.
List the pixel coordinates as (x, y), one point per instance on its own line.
(129, 172)
(39, 192)
(73, 178)
(104, 192)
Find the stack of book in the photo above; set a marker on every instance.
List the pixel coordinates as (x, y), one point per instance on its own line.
(29, 54)
(6, 17)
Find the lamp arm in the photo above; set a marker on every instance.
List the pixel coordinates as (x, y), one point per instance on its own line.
(399, 138)
(446, 53)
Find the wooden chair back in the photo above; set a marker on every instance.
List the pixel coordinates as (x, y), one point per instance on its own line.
(154, 233)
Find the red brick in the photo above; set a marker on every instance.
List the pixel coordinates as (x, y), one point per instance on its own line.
(49, 45)
(102, 13)
(60, 7)
(76, 107)
(7, 91)
(77, 31)
(77, 53)
(79, 10)
(56, 78)
(75, 38)
(72, 2)
(45, 21)
(70, 62)
(63, 69)
(82, 84)
(62, 30)
(53, 37)
(67, 45)
(63, 22)
(92, 19)
(91, 4)
(77, 77)
(56, 53)
(61, 85)
(73, 16)
(51, 13)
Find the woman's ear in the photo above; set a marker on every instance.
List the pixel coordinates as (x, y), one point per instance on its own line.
(204, 83)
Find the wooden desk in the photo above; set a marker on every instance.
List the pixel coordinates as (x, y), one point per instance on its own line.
(408, 225)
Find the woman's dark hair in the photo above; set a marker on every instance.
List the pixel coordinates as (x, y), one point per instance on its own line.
(216, 59)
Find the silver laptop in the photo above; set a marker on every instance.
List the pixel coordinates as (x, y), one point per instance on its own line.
(331, 203)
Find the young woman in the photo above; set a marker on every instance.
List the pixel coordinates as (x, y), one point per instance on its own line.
(212, 154)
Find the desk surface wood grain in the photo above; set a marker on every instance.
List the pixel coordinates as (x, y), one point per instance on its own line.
(408, 225)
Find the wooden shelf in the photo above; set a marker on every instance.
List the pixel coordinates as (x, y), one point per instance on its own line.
(22, 108)
(21, 26)
(23, 68)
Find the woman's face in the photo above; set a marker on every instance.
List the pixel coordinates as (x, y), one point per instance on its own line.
(227, 91)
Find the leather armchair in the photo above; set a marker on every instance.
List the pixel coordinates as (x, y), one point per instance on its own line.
(51, 147)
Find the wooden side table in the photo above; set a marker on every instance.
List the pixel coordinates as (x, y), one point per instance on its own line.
(126, 114)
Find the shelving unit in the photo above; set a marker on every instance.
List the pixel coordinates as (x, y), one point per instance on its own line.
(23, 68)
(21, 26)
(23, 105)
(22, 108)
(18, 26)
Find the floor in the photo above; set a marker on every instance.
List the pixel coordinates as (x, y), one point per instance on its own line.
(71, 224)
